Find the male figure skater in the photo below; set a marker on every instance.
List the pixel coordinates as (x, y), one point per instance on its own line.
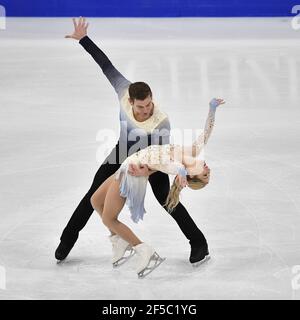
(141, 124)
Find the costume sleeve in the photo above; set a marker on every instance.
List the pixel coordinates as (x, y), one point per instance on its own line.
(117, 80)
(202, 139)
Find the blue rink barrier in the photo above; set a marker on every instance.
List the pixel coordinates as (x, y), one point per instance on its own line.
(148, 8)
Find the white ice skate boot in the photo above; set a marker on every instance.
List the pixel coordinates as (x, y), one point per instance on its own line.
(148, 259)
(121, 249)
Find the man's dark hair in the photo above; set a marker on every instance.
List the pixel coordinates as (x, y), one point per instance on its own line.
(139, 91)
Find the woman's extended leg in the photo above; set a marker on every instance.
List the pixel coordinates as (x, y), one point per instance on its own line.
(98, 197)
(113, 204)
(111, 207)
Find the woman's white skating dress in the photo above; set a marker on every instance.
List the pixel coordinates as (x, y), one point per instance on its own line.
(156, 157)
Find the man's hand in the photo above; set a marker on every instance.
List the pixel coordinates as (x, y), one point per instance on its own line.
(181, 181)
(139, 171)
(80, 29)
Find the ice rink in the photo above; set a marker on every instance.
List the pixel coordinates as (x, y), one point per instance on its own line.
(55, 104)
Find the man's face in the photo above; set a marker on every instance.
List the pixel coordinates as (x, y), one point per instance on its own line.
(142, 109)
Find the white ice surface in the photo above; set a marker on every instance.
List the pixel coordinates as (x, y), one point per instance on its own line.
(53, 102)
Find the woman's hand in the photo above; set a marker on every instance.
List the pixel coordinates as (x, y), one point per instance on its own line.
(214, 103)
(80, 29)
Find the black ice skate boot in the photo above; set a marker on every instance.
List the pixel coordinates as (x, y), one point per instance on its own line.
(63, 250)
(199, 253)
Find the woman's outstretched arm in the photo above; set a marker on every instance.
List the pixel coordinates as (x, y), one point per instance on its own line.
(198, 144)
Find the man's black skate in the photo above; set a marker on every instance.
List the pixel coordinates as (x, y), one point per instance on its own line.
(62, 251)
(199, 254)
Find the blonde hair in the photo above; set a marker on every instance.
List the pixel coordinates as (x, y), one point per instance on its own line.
(173, 196)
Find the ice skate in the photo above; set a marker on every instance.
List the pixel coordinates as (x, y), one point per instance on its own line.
(62, 251)
(148, 260)
(199, 255)
(198, 263)
(122, 250)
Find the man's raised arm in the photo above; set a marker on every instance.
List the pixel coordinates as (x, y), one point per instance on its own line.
(117, 80)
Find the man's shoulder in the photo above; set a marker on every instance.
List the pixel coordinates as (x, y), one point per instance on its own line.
(162, 116)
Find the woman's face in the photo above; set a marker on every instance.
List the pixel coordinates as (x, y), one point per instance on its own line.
(204, 175)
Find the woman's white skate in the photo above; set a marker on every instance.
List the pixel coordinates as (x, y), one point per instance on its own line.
(154, 262)
(148, 260)
(122, 251)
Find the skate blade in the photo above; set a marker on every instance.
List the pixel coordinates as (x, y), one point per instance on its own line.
(157, 262)
(124, 259)
(198, 263)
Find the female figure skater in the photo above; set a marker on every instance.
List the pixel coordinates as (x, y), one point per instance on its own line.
(121, 187)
